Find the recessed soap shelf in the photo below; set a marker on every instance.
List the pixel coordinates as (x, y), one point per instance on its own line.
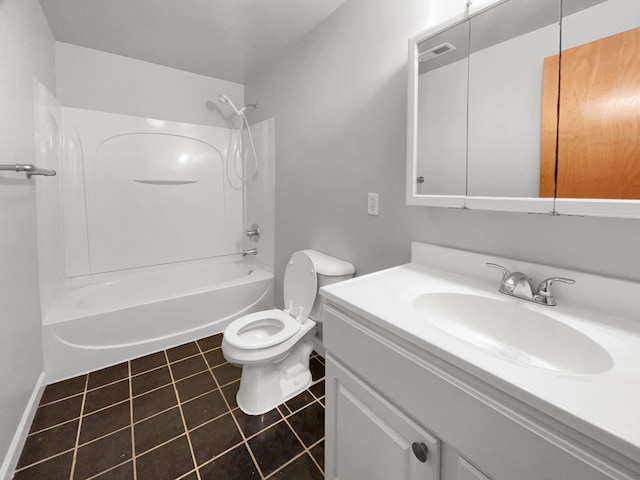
(165, 182)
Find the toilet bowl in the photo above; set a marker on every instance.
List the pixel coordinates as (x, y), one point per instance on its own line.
(273, 346)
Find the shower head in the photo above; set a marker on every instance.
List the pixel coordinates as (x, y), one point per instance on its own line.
(222, 98)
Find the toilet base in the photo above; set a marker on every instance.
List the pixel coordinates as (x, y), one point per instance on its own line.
(264, 387)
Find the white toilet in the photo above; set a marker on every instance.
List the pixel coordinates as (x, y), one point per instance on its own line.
(273, 346)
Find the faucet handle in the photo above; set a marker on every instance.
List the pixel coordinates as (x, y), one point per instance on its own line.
(505, 272)
(546, 292)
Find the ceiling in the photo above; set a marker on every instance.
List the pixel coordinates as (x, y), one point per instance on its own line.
(226, 39)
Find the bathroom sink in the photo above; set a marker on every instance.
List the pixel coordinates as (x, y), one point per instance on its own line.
(513, 331)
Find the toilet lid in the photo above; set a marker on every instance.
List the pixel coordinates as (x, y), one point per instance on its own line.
(261, 330)
(300, 284)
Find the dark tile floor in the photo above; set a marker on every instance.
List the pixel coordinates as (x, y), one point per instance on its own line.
(172, 415)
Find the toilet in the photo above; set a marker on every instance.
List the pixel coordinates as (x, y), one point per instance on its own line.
(273, 346)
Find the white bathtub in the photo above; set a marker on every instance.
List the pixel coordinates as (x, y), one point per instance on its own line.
(113, 317)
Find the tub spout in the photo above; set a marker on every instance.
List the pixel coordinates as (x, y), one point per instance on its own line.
(252, 251)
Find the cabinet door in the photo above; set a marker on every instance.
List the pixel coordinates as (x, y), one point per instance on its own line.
(466, 471)
(370, 439)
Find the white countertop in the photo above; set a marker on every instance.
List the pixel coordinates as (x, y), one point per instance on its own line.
(604, 406)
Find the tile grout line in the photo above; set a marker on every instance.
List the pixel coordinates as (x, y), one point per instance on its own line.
(93, 440)
(305, 448)
(53, 426)
(109, 469)
(82, 414)
(314, 445)
(184, 422)
(207, 369)
(133, 437)
(246, 438)
(75, 449)
(195, 470)
(60, 400)
(137, 422)
(155, 447)
(308, 450)
(200, 352)
(42, 460)
(143, 420)
(132, 375)
(286, 464)
(210, 369)
(138, 395)
(199, 396)
(102, 409)
(224, 398)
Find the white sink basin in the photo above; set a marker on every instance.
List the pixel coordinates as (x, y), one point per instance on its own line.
(509, 329)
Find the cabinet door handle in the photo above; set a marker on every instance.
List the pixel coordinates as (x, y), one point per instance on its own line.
(420, 450)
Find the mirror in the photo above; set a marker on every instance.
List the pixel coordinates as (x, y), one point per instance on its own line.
(509, 44)
(528, 116)
(443, 72)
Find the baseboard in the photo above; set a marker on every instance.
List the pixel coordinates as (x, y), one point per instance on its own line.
(15, 448)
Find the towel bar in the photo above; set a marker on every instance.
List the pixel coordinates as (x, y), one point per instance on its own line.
(28, 169)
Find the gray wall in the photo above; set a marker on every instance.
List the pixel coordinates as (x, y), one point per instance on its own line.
(102, 81)
(339, 101)
(26, 51)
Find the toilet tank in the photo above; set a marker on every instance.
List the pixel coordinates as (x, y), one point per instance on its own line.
(328, 270)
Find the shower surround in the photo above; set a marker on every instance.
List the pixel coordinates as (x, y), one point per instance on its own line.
(140, 235)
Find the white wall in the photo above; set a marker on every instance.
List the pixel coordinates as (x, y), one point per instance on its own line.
(339, 100)
(96, 80)
(26, 52)
(599, 21)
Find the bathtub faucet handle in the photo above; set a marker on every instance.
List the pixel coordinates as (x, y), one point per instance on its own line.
(253, 233)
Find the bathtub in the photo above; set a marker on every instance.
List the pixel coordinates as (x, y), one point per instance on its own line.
(105, 319)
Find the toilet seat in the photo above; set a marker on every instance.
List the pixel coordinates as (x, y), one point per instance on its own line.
(261, 330)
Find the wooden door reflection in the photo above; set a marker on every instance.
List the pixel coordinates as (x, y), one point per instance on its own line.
(598, 149)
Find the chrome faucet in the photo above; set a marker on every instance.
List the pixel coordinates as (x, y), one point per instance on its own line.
(518, 285)
(252, 251)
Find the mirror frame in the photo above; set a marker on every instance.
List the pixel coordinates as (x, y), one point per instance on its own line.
(551, 206)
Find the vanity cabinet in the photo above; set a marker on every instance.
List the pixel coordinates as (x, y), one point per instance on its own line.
(385, 394)
(375, 440)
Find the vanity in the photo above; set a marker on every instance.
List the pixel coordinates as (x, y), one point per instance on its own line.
(445, 369)
(433, 374)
